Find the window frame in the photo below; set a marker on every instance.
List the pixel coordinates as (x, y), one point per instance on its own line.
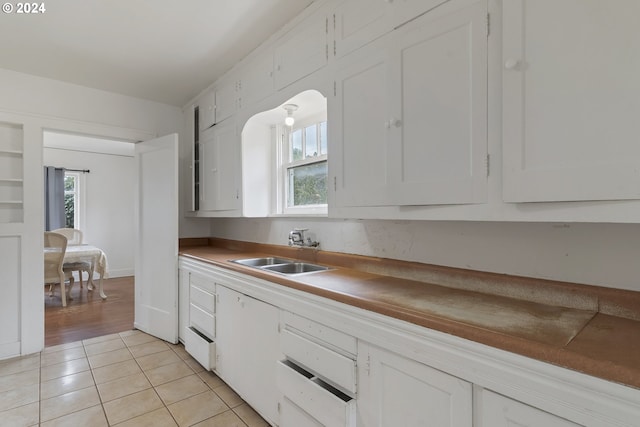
(284, 165)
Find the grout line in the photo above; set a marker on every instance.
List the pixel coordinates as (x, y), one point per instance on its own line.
(174, 350)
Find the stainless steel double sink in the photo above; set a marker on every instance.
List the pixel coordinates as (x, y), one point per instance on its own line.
(284, 266)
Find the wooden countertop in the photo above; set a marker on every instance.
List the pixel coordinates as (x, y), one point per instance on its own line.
(589, 329)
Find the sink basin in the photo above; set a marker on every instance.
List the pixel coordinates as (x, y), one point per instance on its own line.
(296, 268)
(261, 262)
(281, 265)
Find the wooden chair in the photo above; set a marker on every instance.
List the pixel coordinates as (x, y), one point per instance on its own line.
(55, 247)
(74, 237)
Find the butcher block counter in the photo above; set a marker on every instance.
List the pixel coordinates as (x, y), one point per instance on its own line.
(594, 330)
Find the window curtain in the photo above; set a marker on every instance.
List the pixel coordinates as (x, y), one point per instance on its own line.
(54, 214)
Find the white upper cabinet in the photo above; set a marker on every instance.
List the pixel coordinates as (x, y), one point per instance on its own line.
(571, 100)
(405, 10)
(359, 142)
(256, 82)
(217, 104)
(219, 168)
(410, 122)
(438, 118)
(302, 50)
(206, 110)
(226, 99)
(357, 22)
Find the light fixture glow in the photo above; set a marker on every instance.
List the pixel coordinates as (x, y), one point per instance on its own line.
(290, 108)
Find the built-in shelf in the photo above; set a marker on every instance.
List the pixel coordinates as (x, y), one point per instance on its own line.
(11, 165)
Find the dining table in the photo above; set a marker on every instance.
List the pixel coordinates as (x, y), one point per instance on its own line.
(92, 254)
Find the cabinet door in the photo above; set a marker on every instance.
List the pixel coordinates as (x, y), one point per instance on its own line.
(395, 391)
(257, 80)
(219, 158)
(207, 110)
(438, 122)
(571, 100)
(183, 303)
(226, 100)
(405, 10)
(247, 349)
(301, 51)
(358, 22)
(500, 411)
(357, 134)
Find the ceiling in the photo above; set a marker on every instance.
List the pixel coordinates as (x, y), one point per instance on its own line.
(161, 50)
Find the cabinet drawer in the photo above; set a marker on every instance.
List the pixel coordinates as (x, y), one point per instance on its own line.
(322, 402)
(203, 283)
(202, 321)
(201, 348)
(334, 367)
(291, 415)
(318, 332)
(203, 299)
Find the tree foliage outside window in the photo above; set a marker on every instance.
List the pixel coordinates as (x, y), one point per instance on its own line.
(307, 168)
(309, 184)
(71, 192)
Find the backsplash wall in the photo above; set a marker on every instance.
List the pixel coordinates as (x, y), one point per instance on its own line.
(596, 254)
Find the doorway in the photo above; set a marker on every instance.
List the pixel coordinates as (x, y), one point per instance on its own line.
(104, 212)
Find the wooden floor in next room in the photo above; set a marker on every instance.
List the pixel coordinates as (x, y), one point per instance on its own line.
(87, 315)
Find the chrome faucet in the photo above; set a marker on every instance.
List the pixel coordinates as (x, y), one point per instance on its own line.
(296, 238)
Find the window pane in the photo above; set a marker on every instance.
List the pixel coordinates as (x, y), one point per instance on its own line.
(70, 200)
(311, 141)
(69, 209)
(308, 185)
(69, 183)
(296, 146)
(323, 138)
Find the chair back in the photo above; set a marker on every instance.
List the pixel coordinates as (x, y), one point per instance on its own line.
(73, 235)
(55, 247)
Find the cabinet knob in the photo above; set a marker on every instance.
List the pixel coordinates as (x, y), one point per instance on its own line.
(393, 123)
(512, 64)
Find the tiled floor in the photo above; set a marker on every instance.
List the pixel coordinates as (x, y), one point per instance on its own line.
(126, 379)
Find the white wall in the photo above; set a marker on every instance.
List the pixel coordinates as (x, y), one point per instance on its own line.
(108, 218)
(596, 254)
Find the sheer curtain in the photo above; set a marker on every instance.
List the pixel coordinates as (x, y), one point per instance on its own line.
(54, 214)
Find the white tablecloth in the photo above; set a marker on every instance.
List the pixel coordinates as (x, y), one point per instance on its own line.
(97, 258)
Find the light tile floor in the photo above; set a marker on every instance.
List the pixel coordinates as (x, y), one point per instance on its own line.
(126, 379)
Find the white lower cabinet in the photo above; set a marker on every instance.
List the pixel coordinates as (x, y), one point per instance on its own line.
(200, 331)
(183, 303)
(500, 411)
(396, 391)
(317, 377)
(248, 348)
(291, 415)
(301, 363)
